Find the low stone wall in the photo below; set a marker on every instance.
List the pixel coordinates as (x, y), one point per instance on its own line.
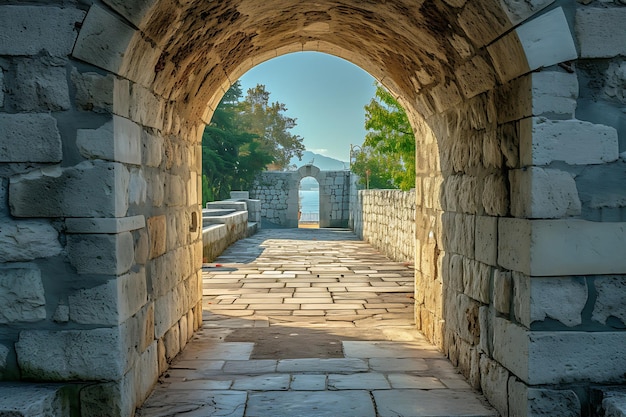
(386, 219)
(224, 223)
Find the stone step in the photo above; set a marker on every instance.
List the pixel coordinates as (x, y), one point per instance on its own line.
(36, 400)
(217, 212)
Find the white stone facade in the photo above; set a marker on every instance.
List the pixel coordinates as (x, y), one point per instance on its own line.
(517, 109)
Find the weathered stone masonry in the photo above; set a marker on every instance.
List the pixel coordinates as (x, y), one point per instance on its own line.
(520, 234)
(278, 193)
(385, 219)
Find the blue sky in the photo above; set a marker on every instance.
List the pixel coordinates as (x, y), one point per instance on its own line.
(324, 93)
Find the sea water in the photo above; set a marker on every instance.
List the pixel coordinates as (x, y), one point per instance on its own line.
(310, 205)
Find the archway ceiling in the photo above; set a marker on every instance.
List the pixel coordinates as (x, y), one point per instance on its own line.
(410, 45)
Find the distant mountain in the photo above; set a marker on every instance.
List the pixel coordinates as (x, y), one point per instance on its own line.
(324, 163)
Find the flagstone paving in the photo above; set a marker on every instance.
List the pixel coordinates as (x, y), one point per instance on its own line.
(310, 322)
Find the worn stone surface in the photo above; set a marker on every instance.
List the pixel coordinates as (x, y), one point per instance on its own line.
(71, 354)
(599, 32)
(90, 189)
(610, 294)
(110, 303)
(21, 294)
(29, 29)
(94, 92)
(107, 254)
(554, 93)
(29, 138)
(118, 140)
(572, 141)
(561, 247)
(27, 240)
(543, 193)
(24, 400)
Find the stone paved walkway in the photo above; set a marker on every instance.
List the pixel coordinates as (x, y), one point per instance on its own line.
(306, 322)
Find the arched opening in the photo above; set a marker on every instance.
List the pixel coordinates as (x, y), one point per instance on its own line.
(309, 203)
(150, 75)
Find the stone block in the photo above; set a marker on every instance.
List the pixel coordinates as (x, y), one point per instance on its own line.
(534, 402)
(94, 92)
(519, 11)
(561, 299)
(561, 247)
(493, 380)
(146, 108)
(600, 32)
(446, 95)
(572, 141)
(68, 355)
(183, 331)
(486, 244)
(171, 339)
(118, 140)
(152, 149)
(41, 85)
(35, 400)
(1, 88)
(110, 303)
(521, 298)
(105, 225)
(543, 193)
(530, 355)
(554, 93)
(26, 30)
(89, 189)
(103, 39)
(459, 233)
(502, 291)
(102, 254)
(25, 240)
(477, 280)
(31, 137)
(509, 57)
(464, 318)
(547, 40)
(22, 294)
(611, 293)
(475, 76)
(111, 399)
(137, 188)
(614, 404)
(495, 196)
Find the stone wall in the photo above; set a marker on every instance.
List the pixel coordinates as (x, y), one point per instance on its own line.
(100, 244)
(517, 109)
(279, 195)
(386, 219)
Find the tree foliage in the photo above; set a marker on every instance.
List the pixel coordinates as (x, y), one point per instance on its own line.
(242, 139)
(389, 147)
(268, 121)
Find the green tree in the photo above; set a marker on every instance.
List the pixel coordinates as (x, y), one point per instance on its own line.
(231, 156)
(389, 146)
(243, 138)
(270, 124)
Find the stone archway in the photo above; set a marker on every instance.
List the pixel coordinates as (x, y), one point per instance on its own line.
(102, 112)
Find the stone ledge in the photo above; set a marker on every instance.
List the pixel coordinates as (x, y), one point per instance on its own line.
(105, 225)
(562, 247)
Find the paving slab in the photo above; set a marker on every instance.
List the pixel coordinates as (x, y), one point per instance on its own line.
(315, 323)
(310, 403)
(436, 403)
